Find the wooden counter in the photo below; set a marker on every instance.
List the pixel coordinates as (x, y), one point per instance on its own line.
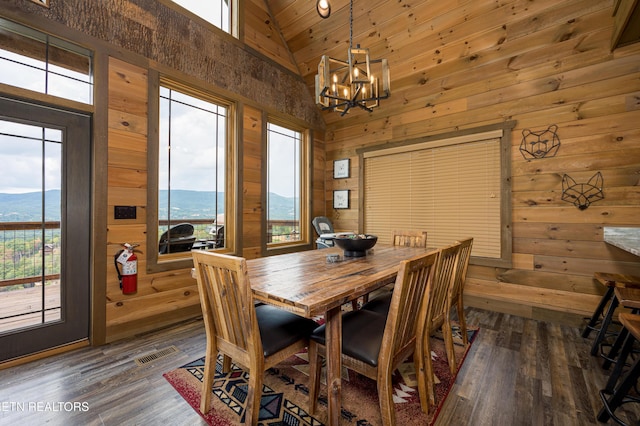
(626, 238)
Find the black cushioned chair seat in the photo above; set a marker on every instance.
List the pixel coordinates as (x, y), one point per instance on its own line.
(361, 335)
(379, 304)
(279, 328)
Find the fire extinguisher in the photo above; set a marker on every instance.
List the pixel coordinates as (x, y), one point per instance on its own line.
(129, 276)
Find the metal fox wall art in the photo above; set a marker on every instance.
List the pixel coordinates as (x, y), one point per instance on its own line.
(582, 195)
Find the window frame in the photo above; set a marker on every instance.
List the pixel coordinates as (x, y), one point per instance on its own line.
(66, 50)
(506, 249)
(306, 141)
(234, 16)
(171, 261)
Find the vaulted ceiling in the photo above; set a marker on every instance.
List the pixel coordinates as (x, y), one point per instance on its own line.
(380, 25)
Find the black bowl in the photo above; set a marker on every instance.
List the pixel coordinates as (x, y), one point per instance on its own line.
(355, 245)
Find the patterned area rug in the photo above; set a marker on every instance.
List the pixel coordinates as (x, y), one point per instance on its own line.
(285, 394)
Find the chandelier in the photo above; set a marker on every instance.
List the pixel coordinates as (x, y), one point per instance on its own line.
(342, 85)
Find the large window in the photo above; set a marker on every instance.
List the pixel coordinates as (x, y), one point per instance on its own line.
(287, 199)
(36, 61)
(216, 12)
(193, 171)
(453, 188)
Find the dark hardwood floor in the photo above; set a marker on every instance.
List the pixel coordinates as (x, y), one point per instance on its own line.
(518, 372)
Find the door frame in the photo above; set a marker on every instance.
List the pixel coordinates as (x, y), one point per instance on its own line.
(75, 225)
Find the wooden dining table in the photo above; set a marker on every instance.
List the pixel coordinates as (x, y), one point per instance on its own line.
(308, 285)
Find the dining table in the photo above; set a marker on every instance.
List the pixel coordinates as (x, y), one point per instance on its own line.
(313, 284)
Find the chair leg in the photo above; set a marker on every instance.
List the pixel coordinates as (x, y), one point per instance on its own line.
(207, 382)
(315, 368)
(429, 375)
(462, 320)
(385, 398)
(418, 364)
(226, 364)
(591, 325)
(620, 364)
(615, 348)
(629, 380)
(606, 321)
(448, 340)
(254, 394)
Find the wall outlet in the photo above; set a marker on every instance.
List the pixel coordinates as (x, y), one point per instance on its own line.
(124, 212)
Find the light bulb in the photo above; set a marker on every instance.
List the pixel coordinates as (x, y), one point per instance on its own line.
(323, 7)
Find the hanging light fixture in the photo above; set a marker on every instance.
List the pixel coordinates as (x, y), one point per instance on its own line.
(324, 8)
(341, 85)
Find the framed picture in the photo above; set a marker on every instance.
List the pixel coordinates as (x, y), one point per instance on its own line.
(341, 199)
(341, 168)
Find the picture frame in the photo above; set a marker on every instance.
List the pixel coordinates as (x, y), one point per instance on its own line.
(341, 168)
(341, 199)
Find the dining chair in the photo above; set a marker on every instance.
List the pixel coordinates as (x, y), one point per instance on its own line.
(437, 317)
(256, 337)
(409, 238)
(374, 344)
(455, 296)
(398, 238)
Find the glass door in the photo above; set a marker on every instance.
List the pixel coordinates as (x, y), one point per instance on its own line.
(44, 228)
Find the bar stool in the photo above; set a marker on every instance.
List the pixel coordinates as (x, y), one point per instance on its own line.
(627, 298)
(619, 395)
(611, 281)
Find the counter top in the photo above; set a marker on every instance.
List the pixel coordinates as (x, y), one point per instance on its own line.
(626, 238)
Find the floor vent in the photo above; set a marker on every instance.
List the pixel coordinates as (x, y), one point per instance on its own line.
(156, 355)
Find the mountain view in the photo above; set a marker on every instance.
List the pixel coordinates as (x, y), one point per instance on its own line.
(27, 207)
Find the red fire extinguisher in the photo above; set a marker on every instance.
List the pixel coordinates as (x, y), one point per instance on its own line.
(129, 275)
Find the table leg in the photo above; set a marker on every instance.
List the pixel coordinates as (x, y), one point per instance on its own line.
(333, 336)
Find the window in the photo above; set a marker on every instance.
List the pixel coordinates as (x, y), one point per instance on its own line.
(452, 188)
(193, 172)
(36, 61)
(287, 182)
(216, 12)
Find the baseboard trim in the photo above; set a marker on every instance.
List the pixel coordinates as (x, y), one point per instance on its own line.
(44, 354)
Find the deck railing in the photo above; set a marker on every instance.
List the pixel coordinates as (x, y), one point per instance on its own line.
(29, 252)
(22, 245)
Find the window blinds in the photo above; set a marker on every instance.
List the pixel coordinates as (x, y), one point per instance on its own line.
(450, 188)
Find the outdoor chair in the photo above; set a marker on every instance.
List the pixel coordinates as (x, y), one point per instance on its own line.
(323, 225)
(178, 238)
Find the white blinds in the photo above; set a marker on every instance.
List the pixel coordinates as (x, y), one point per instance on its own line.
(452, 191)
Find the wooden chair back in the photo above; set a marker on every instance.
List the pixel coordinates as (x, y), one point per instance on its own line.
(409, 238)
(437, 318)
(461, 270)
(408, 309)
(227, 305)
(443, 281)
(455, 299)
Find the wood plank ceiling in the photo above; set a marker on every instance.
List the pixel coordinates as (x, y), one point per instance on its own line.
(379, 25)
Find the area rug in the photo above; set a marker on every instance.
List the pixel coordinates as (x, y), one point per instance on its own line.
(285, 393)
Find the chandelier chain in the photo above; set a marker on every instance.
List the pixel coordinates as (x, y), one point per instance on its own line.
(350, 25)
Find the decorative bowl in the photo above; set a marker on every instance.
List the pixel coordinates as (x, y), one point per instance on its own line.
(355, 245)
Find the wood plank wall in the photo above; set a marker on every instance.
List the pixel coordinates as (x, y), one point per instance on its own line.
(469, 64)
(162, 298)
(159, 40)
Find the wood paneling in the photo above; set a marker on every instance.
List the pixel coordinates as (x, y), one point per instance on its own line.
(464, 65)
(252, 235)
